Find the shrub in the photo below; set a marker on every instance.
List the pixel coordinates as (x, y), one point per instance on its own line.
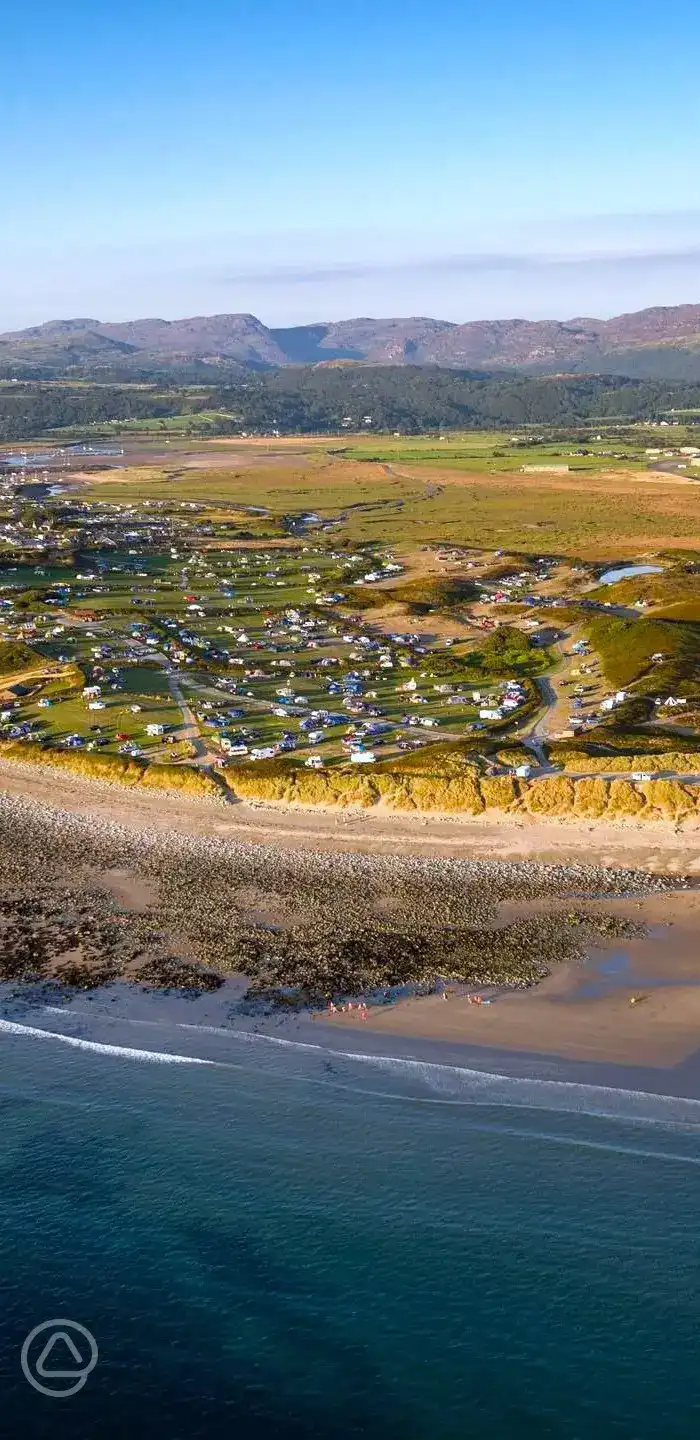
(669, 797)
(184, 778)
(426, 792)
(624, 799)
(15, 656)
(665, 760)
(514, 755)
(113, 769)
(508, 651)
(441, 757)
(499, 792)
(254, 786)
(421, 596)
(396, 790)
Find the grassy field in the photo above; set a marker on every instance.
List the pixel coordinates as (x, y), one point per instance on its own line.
(652, 655)
(413, 493)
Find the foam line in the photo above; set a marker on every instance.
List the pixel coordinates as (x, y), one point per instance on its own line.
(125, 1052)
(487, 1087)
(456, 1084)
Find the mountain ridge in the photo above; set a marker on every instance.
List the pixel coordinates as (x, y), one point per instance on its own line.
(660, 340)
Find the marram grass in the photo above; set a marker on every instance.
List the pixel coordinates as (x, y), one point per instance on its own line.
(554, 797)
(467, 794)
(113, 769)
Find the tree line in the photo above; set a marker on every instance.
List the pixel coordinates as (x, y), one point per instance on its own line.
(328, 399)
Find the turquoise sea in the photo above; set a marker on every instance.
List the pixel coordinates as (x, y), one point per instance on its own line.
(287, 1241)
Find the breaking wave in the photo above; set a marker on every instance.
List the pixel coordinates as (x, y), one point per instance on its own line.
(126, 1052)
(425, 1081)
(456, 1084)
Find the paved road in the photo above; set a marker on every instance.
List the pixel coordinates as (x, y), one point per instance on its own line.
(204, 751)
(538, 730)
(692, 779)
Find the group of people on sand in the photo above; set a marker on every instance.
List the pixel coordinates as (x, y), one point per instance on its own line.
(359, 1005)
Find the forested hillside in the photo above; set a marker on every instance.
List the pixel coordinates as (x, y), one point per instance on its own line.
(328, 399)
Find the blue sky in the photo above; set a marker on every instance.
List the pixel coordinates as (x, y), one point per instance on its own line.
(307, 159)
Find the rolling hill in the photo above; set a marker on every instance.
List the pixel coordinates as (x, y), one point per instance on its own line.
(662, 342)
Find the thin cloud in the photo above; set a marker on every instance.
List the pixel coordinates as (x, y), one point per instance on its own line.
(285, 275)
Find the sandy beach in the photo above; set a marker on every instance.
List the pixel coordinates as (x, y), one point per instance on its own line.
(278, 878)
(582, 1011)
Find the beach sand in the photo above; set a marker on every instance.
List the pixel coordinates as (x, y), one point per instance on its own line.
(661, 847)
(581, 1011)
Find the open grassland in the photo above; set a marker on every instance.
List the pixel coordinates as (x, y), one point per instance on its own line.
(334, 486)
(650, 654)
(598, 514)
(490, 453)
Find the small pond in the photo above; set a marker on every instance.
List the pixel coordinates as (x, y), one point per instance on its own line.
(627, 572)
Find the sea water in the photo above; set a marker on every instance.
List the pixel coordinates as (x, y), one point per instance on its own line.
(273, 1239)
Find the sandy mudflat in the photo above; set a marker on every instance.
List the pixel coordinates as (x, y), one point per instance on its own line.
(658, 846)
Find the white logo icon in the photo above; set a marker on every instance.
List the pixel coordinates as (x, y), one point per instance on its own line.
(60, 1352)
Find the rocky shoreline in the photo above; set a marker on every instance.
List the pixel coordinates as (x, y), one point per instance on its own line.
(85, 901)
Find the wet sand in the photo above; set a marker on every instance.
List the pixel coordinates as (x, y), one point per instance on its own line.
(581, 1011)
(153, 1019)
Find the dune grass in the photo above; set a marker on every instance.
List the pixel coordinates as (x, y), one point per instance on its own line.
(555, 797)
(114, 769)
